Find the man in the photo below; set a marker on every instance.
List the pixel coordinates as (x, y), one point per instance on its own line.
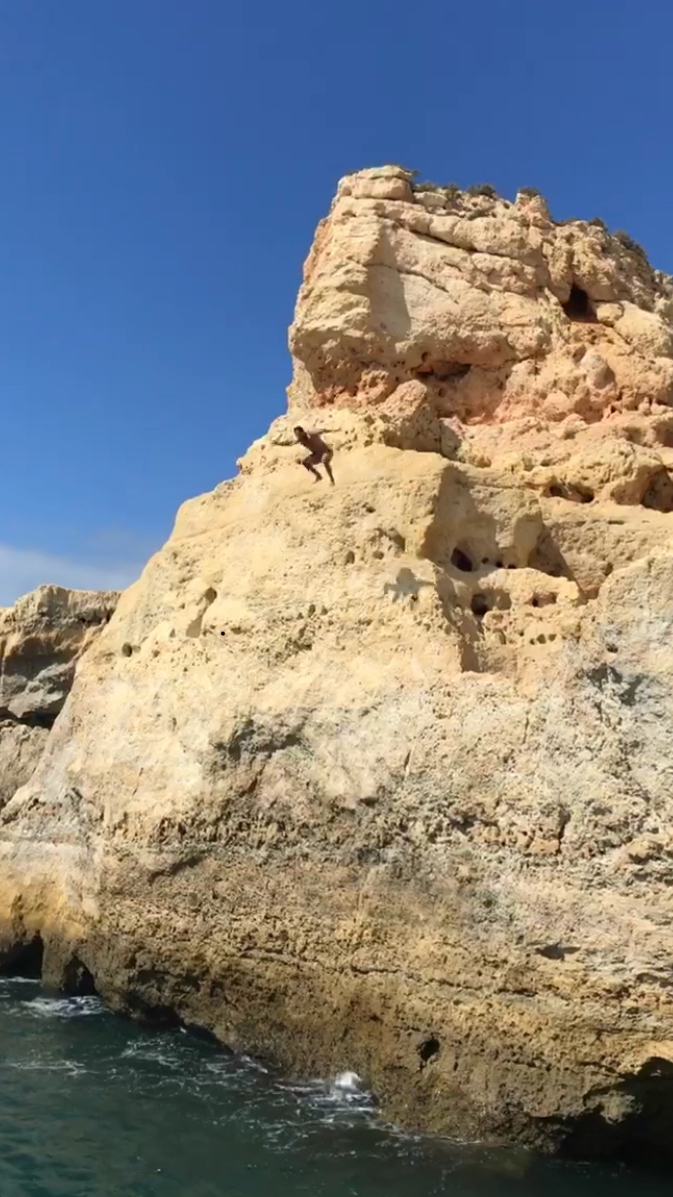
(320, 453)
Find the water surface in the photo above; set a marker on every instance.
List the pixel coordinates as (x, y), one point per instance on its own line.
(94, 1106)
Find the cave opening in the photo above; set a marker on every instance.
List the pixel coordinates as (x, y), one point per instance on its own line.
(461, 561)
(578, 305)
(78, 980)
(24, 960)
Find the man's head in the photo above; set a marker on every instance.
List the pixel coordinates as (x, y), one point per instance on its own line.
(299, 433)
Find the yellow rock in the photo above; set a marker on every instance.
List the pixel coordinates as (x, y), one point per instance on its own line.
(378, 777)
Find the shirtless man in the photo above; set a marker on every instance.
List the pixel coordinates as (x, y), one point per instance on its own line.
(320, 453)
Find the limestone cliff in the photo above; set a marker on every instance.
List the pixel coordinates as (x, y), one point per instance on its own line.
(41, 639)
(379, 776)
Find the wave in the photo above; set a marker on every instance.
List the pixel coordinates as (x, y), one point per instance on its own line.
(175, 1061)
(342, 1095)
(64, 1007)
(160, 1051)
(37, 1064)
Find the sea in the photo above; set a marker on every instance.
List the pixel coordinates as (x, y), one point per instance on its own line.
(92, 1105)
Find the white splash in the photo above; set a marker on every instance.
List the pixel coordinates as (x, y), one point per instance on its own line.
(72, 1007)
(347, 1082)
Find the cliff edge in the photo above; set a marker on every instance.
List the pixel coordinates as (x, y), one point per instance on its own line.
(379, 776)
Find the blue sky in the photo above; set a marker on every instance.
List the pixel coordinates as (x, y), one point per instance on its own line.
(164, 164)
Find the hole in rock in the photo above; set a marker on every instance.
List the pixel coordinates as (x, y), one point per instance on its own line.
(428, 1049)
(350, 557)
(210, 595)
(543, 600)
(659, 493)
(479, 605)
(77, 979)
(127, 650)
(152, 1015)
(576, 493)
(552, 951)
(453, 370)
(578, 306)
(461, 561)
(24, 959)
(440, 372)
(45, 719)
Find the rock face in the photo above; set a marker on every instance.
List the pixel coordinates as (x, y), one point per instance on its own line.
(379, 776)
(41, 639)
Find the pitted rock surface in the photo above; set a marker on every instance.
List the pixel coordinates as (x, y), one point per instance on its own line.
(378, 777)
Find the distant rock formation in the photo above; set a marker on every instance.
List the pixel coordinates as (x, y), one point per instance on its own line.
(41, 639)
(378, 777)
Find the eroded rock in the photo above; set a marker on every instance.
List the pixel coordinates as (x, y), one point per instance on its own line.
(41, 639)
(378, 777)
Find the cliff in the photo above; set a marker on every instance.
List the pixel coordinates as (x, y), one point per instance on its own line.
(378, 776)
(41, 639)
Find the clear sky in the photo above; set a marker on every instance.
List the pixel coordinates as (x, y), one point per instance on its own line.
(163, 166)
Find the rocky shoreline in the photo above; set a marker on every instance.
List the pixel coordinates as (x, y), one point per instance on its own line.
(378, 777)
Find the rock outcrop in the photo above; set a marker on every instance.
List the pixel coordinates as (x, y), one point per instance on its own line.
(379, 776)
(41, 639)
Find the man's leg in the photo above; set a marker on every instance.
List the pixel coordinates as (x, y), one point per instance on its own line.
(309, 463)
(327, 457)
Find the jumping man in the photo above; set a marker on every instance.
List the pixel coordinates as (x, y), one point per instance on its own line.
(320, 453)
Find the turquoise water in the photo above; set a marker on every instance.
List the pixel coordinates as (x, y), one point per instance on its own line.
(94, 1106)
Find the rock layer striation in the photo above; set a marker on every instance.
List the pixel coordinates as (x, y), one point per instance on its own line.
(379, 776)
